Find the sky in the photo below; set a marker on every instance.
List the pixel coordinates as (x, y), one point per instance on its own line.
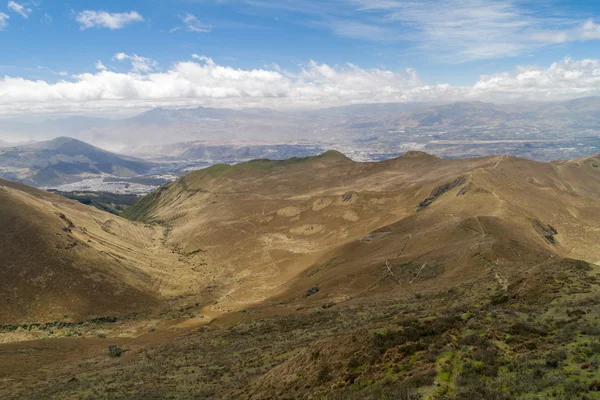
(115, 57)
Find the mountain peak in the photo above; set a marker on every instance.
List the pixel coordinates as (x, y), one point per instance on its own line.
(63, 140)
(58, 143)
(333, 155)
(416, 154)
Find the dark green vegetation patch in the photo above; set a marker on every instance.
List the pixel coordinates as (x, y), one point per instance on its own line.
(109, 202)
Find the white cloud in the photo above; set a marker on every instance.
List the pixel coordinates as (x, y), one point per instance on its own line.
(205, 59)
(194, 25)
(360, 30)
(120, 56)
(448, 30)
(566, 79)
(587, 30)
(590, 30)
(102, 19)
(46, 19)
(63, 73)
(19, 9)
(3, 21)
(205, 82)
(465, 30)
(139, 65)
(100, 66)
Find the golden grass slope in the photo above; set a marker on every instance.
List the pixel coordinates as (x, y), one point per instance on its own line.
(269, 229)
(234, 236)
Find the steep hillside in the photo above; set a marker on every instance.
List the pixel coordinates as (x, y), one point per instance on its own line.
(269, 228)
(64, 160)
(62, 261)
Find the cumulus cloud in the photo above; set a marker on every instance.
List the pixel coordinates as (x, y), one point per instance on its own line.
(3, 21)
(202, 81)
(19, 9)
(139, 65)
(102, 19)
(193, 24)
(566, 79)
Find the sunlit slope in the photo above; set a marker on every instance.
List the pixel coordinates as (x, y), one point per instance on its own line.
(269, 228)
(60, 260)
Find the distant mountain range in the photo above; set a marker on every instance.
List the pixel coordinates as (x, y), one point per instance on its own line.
(585, 111)
(65, 160)
(223, 153)
(392, 123)
(4, 143)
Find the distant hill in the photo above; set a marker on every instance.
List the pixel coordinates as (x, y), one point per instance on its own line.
(64, 160)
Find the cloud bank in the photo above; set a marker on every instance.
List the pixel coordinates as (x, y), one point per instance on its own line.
(202, 81)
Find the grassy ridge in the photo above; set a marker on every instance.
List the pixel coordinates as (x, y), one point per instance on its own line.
(141, 210)
(266, 164)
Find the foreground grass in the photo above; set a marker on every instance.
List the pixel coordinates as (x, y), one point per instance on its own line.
(457, 344)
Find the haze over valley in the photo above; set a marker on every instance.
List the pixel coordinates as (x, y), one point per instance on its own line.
(453, 129)
(162, 144)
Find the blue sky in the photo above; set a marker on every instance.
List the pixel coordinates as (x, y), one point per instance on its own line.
(445, 44)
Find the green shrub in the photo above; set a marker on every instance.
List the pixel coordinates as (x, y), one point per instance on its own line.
(114, 351)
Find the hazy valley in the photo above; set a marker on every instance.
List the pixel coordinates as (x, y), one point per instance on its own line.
(540, 130)
(159, 145)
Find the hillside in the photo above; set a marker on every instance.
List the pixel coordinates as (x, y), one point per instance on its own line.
(65, 160)
(415, 277)
(62, 261)
(331, 222)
